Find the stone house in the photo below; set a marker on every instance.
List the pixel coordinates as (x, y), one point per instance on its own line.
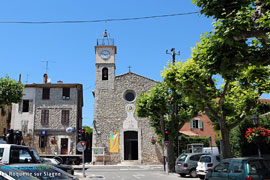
(49, 110)
(120, 136)
(23, 115)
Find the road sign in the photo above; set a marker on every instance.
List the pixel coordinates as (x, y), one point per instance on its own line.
(43, 132)
(83, 143)
(80, 147)
(218, 135)
(166, 143)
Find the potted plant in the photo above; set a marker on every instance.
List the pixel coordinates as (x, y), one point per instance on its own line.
(153, 141)
(53, 141)
(258, 135)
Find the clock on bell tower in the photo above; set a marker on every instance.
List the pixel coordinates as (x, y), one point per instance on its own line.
(105, 62)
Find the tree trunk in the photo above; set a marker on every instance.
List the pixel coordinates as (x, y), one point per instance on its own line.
(226, 147)
(171, 156)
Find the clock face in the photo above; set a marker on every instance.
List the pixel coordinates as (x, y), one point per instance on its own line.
(105, 54)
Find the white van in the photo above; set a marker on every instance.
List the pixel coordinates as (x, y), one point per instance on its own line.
(211, 150)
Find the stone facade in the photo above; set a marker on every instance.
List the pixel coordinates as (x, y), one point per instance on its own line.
(55, 129)
(114, 112)
(63, 100)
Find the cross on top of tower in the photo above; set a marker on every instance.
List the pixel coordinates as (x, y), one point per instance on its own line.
(129, 67)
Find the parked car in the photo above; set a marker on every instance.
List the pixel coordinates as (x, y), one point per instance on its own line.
(205, 163)
(186, 164)
(250, 168)
(7, 172)
(56, 163)
(44, 171)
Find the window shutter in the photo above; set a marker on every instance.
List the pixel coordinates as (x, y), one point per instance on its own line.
(200, 124)
(30, 106)
(20, 106)
(191, 124)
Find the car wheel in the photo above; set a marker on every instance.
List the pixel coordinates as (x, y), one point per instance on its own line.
(193, 173)
(182, 175)
(201, 176)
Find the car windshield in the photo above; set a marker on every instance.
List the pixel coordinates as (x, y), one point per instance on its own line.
(182, 157)
(33, 151)
(7, 172)
(206, 159)
(45, 172)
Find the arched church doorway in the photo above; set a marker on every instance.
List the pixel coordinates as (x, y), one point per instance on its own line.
(130, 145)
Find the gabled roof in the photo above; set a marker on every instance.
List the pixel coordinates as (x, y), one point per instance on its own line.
(131, 73)
(264, 100)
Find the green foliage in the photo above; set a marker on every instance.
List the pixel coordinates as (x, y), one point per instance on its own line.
(87, 129)
(240, 145)
(10, 91)
(237, 51)
(235, 142)
(168, 108)
(158, 103)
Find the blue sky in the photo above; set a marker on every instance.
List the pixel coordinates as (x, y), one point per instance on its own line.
(69, 48)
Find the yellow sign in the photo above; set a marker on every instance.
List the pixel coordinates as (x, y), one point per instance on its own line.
(218, 135)
(114, 141)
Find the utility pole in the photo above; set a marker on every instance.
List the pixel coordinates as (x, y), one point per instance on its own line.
(173, 54)
(174, 112)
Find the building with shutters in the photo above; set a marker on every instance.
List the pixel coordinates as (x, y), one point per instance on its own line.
(45, 113)
(119, 136)
(200, 126)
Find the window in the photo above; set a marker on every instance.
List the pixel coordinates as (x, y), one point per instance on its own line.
(206, 159)
(45, 117)
(196, 124)
(65, 117)
(195, 157)
(237, 167)
(129, 95)
(1, 153)
(25, 106)
(105, 74)
(66, 93)
(223, 167)
(20, 156)
(42, 141)
(46, 93)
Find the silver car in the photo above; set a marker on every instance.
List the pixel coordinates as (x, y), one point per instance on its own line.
(186, 164)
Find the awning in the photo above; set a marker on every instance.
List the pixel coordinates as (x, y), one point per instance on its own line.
(189, 133)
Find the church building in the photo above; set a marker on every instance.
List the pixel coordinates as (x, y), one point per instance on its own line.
(119, 136)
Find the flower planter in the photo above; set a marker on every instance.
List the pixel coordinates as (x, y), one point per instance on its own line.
(153, 141)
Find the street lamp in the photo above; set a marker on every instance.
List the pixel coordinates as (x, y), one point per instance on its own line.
(255, 121)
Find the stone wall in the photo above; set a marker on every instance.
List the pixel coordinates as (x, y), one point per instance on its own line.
(110, 114)
(55, 129)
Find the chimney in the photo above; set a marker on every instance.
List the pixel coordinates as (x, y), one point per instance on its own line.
(20, 78)
(45, 78)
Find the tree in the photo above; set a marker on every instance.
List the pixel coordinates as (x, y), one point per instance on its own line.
(237, 54)
(87, 129)
(10, 91)
(166, 109)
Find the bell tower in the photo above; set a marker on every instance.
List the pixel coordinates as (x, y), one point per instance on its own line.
(105, 63)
